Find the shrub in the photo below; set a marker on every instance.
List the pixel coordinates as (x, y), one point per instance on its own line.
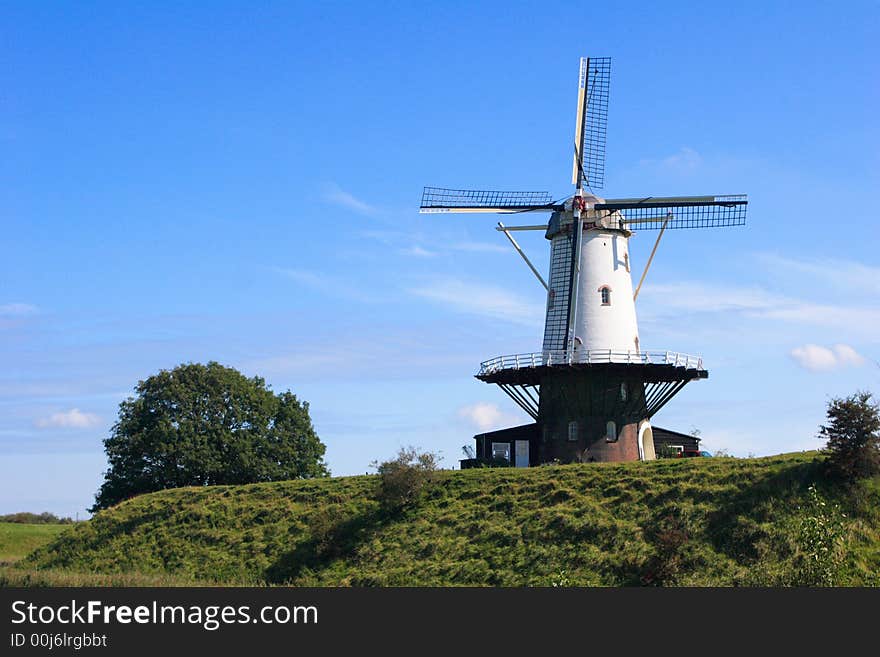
(821, 538)
(44, 518)
(403, 479)
(670, 538)
(853, 436)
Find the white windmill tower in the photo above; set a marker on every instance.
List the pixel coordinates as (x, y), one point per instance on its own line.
(592, 389)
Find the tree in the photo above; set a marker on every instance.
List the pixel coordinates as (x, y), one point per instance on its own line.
(853, 436)
(198, 425)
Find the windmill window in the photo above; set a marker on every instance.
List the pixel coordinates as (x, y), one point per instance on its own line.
(623, 391)
(572, 431)
(605, 293)
(610, 431)
(501, 451)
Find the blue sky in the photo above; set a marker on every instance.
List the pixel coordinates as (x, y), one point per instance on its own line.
(240, 183)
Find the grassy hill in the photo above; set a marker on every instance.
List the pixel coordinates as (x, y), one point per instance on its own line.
(718, 521)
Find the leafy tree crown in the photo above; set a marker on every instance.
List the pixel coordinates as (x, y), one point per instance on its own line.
(198, 425)
(852, 436)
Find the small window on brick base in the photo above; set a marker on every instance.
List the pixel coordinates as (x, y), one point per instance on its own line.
(610, 432)
(572, 431)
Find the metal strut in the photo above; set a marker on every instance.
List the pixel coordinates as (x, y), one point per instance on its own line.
(653, 251)
(521, 400)
(504, 230)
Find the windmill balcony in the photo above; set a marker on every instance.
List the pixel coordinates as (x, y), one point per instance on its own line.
(589, 357)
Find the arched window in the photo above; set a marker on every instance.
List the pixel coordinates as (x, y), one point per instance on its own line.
(605, 293)
(610, 431)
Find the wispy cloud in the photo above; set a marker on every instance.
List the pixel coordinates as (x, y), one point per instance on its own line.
(757, 302)
(703, 297)
(418, 252)
(17, 309)
(685, 160)
(480, 247)
(816, 358)
(327, 284)
(308, 278)
(855, 318)
(72, 419)
(338, 196)
(388, 237)
(385, 354)
(484, 300)
(847, 274)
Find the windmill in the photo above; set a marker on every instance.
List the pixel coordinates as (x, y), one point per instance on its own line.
(592, 389)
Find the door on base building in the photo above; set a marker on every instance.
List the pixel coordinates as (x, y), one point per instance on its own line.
(522, 454)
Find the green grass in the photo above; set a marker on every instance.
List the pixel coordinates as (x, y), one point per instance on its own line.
(31, 577)
(18, 539)
(718, 521)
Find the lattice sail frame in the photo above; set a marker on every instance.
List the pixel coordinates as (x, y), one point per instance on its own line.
(594, 83)
(439, 199)
(677, 212)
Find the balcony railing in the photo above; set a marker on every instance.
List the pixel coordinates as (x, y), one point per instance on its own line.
(589, 357)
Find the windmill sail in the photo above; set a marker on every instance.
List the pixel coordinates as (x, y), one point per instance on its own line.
(438, 199)
(677, 211)
(594, 81)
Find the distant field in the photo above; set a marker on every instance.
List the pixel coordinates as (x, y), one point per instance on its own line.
(18, 540)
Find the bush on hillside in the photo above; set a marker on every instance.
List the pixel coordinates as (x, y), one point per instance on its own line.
(821, 541)
(853, 436)
(403, 479)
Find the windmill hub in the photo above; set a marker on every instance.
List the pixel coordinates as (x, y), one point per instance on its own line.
(593, 388)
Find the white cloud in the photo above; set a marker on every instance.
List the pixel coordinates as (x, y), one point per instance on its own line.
(338, 196)
(817, 358)
(72, 419)
(17, 309)
(484, 300)
(486, 417)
